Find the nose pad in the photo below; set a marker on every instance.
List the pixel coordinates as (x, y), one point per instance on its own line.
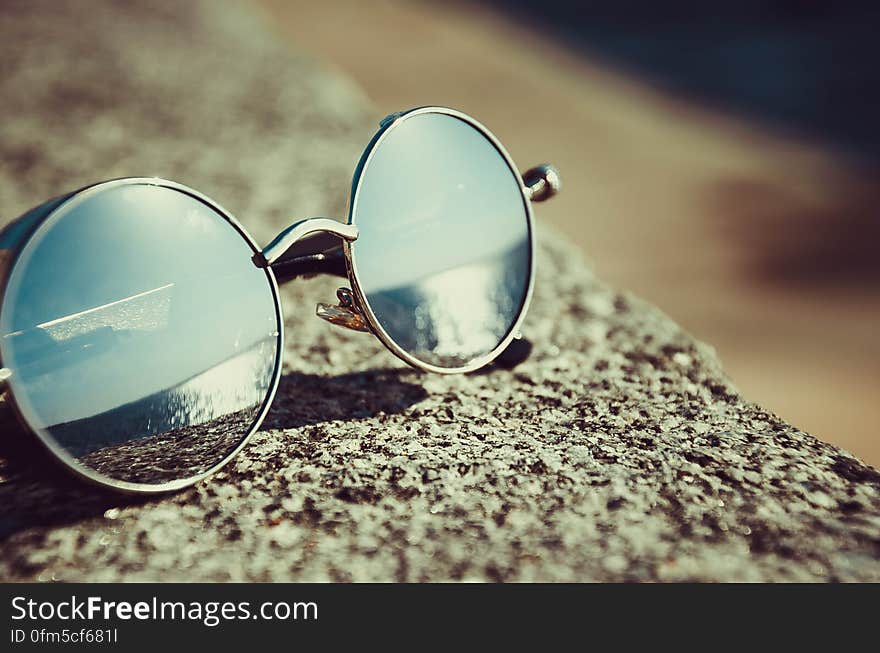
(345, 314)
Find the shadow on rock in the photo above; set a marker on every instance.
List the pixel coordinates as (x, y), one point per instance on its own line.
(36, 491)
(305, 399)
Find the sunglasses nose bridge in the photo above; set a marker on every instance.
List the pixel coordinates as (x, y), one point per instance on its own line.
(299, 230)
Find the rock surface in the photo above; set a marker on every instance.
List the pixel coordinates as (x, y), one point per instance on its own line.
(619, 451)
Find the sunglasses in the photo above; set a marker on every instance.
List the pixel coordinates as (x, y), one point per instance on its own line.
(141, 329)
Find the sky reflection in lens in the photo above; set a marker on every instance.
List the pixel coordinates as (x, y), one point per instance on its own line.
(142, 338)
(444, 251)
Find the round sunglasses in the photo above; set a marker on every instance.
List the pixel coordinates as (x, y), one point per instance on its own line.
(141, 331)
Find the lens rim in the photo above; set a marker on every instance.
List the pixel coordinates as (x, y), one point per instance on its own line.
(386, 127)
(67, 461)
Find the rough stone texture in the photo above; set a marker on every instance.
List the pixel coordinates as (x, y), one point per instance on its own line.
(619, 451)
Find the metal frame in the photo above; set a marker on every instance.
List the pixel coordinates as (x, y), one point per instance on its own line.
(305, 249)
(28, 239)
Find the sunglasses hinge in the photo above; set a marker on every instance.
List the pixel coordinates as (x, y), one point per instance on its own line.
(542, 182)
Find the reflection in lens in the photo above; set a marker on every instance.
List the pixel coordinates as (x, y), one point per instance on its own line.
(444, 251)
(141, 337)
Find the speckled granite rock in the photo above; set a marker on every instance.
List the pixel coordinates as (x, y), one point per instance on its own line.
(619, 451)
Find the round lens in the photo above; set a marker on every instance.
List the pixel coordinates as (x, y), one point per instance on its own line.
(142, 339)
(444, 252)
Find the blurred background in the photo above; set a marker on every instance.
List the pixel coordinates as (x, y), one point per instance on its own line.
(720, 159)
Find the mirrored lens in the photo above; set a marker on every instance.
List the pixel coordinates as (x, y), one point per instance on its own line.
(142, 339)
(444, 252)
